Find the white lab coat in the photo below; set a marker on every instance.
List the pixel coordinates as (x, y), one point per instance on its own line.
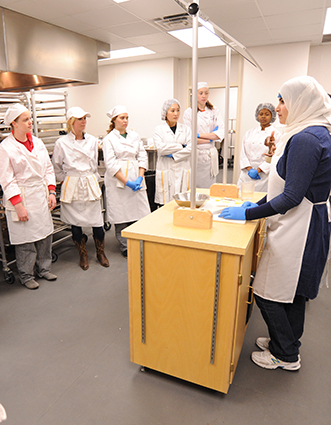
(207, 161)
(172, 174)
(252, 155)
(76, 165)
(128, 155)
(27, 174)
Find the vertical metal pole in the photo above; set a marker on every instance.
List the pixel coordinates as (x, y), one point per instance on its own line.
(194, 109)
(226, 115)
(34, 113)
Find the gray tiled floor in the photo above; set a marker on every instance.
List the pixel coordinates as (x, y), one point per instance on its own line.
(64, 360)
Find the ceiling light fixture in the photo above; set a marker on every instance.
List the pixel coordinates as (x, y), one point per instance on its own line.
(127, 53)
(327, 22)
(206, 37)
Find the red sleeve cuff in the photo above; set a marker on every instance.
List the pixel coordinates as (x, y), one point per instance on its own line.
(51, 187)
(15, 199)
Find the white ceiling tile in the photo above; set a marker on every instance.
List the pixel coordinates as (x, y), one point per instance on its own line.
(227, 13)
(151, 9)
(105, 17)
(155, 38)
(285, 6)
(286, 20)
(131, 30)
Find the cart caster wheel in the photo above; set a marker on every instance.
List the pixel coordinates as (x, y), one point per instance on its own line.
(107, 226)
(54, 257)
(143, 369)
(9, 277)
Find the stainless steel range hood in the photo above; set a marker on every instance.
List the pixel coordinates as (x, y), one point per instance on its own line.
(35, 54)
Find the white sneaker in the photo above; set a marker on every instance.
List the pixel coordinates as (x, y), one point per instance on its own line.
(266, 360)
(263, 342)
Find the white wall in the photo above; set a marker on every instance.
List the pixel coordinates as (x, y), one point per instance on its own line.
(141, 86)
(144, 86)
(320, 65)
(279, 64)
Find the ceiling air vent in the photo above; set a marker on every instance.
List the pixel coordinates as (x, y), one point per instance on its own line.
(174, 22)
(326, 38)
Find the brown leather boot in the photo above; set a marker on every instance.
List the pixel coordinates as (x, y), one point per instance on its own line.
(83, 259)
(101, 256)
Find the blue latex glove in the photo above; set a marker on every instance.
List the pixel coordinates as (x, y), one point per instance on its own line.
(133, 185)
(234, 213)
(253, 174)
(198, 135)
(139, 180)
(249, 204)
(169, 156)
(216, 128)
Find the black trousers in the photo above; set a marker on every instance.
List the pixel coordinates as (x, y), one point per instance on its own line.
(77, 233)
(285, 323)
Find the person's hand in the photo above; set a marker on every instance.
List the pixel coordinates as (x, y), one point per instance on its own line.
(270, 142)
(170, 156)
(139, 180)
(133, 185)
(234, 213)
(51, 201)
(253, 174)
(249, 204)
(21, 212)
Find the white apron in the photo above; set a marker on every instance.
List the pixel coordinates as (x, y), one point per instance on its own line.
(81, 201)
(40, 223)
(279, 268)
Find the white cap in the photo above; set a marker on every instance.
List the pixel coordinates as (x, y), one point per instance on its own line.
(77, 112)
(117, 110)
(202, 84)
(13, 112)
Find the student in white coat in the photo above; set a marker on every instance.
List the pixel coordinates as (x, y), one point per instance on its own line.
(299, 221)
(210, 128)
(75, 160)
(28, 182)
(126, 161)
(253, 162)
(173, 144)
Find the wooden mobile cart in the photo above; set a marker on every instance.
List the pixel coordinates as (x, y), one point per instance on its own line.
(190, 295)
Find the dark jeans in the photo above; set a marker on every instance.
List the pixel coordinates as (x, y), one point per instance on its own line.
(77, 233)
(121, 239)
(285, 323)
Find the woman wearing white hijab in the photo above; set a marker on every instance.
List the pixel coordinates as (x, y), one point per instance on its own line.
(298, 228)
(126, 161)
(210, 127)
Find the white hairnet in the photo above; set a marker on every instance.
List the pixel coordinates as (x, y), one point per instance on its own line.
(77, 112)
(270, 108)
(202, 84)
(166, 106)
(13, 112)
(117, 110)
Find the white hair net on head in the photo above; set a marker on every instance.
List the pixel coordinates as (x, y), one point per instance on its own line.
(202, 84)
(13, 112)
(117, 110)
(268, 106)
(166, 106)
